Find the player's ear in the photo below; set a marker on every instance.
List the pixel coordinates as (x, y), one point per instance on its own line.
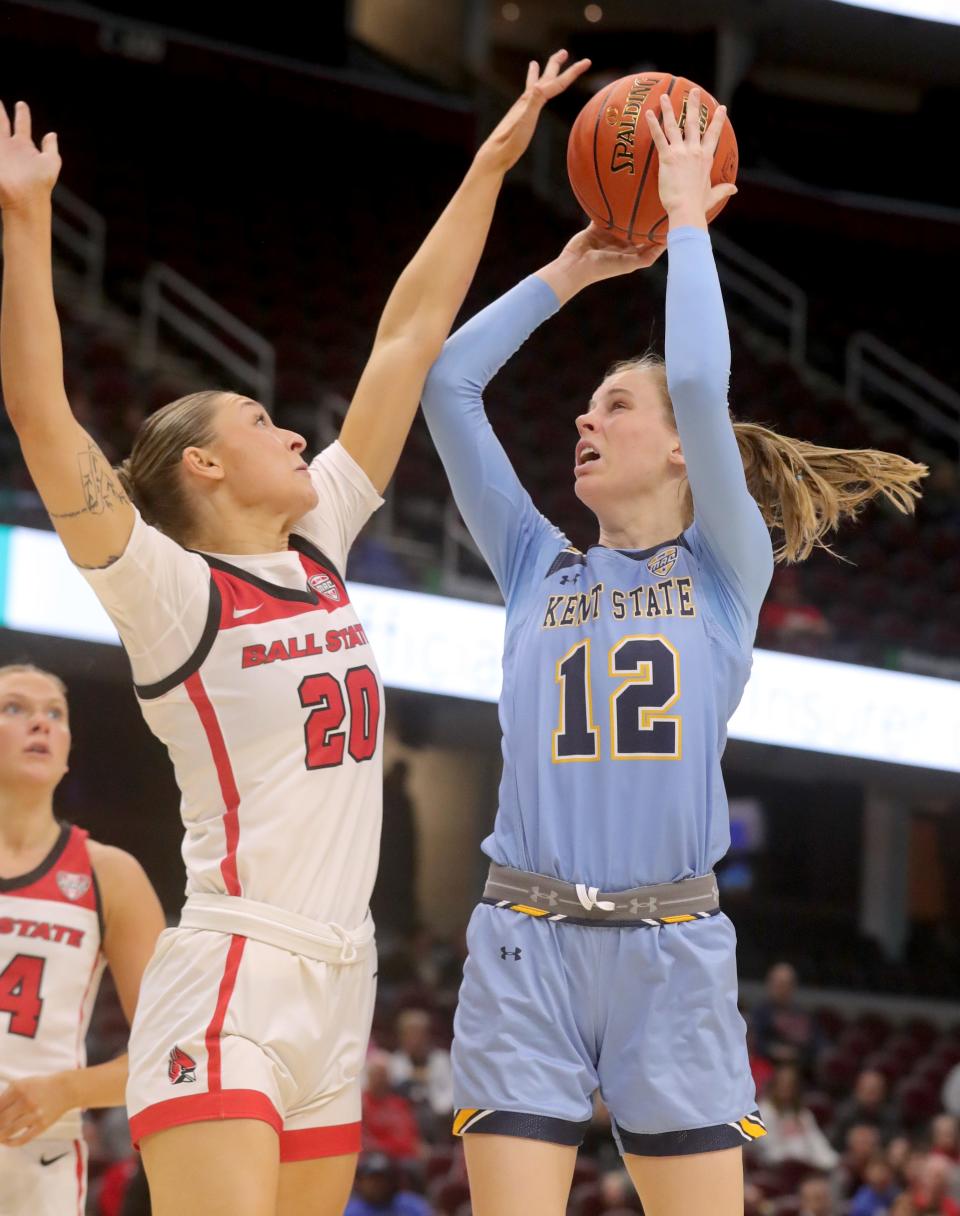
(200, 462)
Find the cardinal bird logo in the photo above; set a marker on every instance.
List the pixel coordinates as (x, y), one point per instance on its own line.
(183, 1068)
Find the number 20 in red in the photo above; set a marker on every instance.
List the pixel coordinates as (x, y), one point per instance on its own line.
(324, 694)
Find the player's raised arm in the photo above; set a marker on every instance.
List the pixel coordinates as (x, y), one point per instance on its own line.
(79, 489)
(429, 292)
(494, 505)
(698, 352)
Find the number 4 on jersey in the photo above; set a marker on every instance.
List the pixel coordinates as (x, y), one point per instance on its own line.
(20, 994)
(648, 668)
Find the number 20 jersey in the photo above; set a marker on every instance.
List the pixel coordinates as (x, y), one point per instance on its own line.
(274, 727)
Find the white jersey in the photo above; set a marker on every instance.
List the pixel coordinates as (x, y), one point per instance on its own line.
(258, 677)
(50, 967)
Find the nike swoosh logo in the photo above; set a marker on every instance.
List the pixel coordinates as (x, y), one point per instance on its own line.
(51, 1160)
(239, 612)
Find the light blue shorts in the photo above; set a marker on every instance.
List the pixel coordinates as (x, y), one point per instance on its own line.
(551, 1012)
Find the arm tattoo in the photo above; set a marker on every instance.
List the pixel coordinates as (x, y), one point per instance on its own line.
(101, 489)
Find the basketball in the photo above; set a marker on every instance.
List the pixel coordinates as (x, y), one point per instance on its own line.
(612, 162)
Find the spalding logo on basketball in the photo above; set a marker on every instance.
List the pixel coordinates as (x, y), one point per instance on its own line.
(612, 162)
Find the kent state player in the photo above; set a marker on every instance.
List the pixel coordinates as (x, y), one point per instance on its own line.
(599, 957)
(213, 542)
(68, 906)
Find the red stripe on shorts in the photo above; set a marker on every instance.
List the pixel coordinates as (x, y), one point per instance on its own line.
(307, 1143)
(204, 1108)
(81, 1178)
(228, 786)
(215, 1029)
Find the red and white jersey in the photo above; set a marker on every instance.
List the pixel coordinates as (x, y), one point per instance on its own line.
(273, 717)
(50, 966)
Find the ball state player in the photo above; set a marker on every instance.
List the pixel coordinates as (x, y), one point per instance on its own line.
(219, 554)
(68, 906)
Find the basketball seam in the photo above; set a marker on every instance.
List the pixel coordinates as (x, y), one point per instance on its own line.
(596, 164)
(646, 167)
(614, 227)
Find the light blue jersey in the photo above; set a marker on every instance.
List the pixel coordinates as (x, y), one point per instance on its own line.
(621, 668)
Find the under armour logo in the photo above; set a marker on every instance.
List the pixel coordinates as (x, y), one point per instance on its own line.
(514, 954)
(550, 898)
(569, 578)
(643, 905)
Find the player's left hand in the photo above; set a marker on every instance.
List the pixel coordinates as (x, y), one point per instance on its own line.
(597, 254)
(686, 161)
(510, 138)
(31, 1105)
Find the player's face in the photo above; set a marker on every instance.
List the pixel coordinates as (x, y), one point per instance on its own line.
(627, 444)
(34, 731)
(263, 462)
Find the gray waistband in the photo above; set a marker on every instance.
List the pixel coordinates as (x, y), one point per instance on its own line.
(553, 899)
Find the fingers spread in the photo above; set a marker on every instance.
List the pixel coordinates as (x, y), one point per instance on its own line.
(671, 129)
(533, 74)
(691, 126)
(554, 63)
(4, 120)
(565, 79)
(656, 132)
(21, 119)
(712, 135)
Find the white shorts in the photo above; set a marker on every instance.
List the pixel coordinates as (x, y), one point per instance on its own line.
(44, 1178)
(230, 1027)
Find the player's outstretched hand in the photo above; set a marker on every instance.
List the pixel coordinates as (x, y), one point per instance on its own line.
(27, 173)
(596, 254)
(686, 161)
(31, 1105)
(509, 139)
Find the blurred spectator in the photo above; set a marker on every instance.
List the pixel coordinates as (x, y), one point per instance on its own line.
(616, 1189)
(377, 1191)
(389, 1123)
(816, 1198)
(899, 1152)
(944, 1137)
(792, 1130)
(868, 1104)
(783, 1030)
(394, 901)
(112, 1186)
(136, 1201)
(878, 1192)
(760, 1067)
(598, 1141)
(931, 1197)
(861, 1148)
(787, 621)
(420, 1070)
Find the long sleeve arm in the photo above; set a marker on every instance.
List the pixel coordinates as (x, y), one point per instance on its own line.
(496, 508)
(698, 371)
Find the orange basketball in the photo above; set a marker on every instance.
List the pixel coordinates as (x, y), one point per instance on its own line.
(612, 162)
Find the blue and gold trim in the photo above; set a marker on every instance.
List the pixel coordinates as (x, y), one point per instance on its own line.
(691, 1140)
(523, 1125)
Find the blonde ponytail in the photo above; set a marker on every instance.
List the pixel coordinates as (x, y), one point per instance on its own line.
(804, 490)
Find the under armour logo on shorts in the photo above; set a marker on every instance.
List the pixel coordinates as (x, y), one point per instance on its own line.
(514, 954)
